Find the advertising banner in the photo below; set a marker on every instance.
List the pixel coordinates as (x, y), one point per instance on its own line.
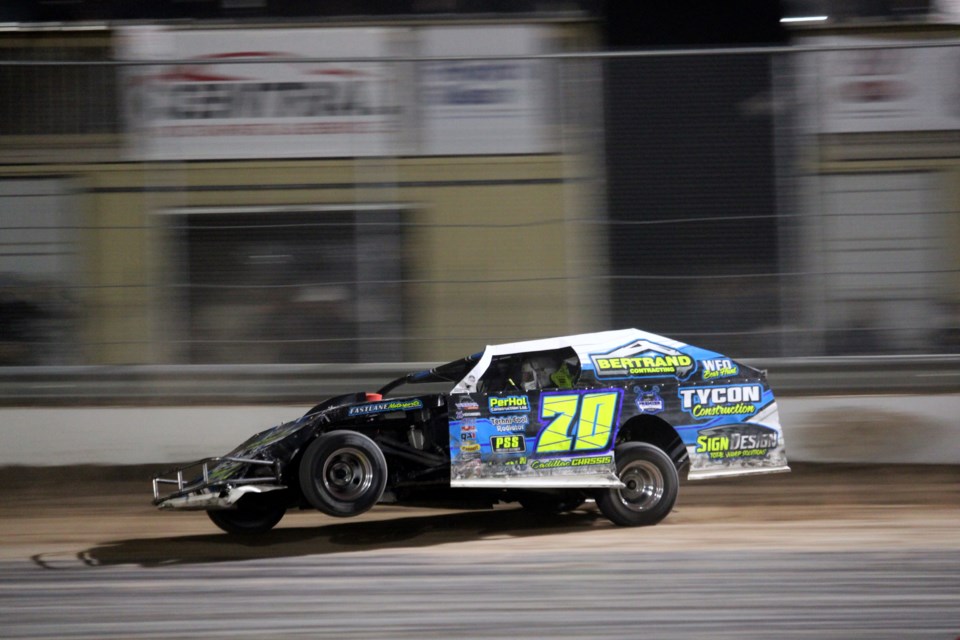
(485, 106)
(880, 89)
(246, 95)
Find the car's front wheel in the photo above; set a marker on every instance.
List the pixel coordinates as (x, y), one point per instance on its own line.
(247, 520)
(343, 473)
(651, 484)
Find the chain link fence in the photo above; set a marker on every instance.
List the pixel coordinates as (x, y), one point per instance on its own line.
(399, 208)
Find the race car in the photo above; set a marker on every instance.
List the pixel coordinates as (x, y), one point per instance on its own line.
(616, 417)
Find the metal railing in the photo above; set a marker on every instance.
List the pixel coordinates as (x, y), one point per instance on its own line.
(309, 384)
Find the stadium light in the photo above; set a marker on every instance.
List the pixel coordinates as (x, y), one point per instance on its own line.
(804, 19)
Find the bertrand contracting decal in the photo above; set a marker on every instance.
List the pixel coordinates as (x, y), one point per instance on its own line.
(641, 359)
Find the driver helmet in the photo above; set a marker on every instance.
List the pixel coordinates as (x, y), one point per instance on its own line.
(535, 373)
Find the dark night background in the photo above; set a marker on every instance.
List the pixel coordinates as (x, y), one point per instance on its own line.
(629, 23)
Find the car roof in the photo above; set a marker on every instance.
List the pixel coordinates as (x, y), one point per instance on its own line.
(583, 342)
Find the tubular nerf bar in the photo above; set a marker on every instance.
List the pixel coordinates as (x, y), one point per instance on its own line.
(184, 486)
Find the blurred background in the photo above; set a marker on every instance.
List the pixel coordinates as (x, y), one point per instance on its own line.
(216, 213)
(227, 182)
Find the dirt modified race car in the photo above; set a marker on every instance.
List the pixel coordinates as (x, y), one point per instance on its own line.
(615, 416)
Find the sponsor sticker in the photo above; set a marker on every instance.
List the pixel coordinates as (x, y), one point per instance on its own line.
(737, 441)
(510, 423)
(385, 407)
(649, 402)
(508, 444)
(727, 400)
(509, 404)
(571, 462)
(642, 359)
(719, 368)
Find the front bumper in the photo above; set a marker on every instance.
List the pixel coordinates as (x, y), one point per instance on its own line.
(212, 484)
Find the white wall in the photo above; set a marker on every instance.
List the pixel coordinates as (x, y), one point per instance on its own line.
(869, 428)
(873, 428)
(126, 435)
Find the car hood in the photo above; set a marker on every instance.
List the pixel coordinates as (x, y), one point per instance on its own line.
(284, 440)
(279, 442)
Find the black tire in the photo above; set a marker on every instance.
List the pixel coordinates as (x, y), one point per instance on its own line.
(247, 520)
(652, 486)
(549, 503)
(343, 473)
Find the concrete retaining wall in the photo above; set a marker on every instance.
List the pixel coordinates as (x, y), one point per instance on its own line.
(923, 429)
(849, 428)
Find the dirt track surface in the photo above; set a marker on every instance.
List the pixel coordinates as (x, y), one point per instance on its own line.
(852, 553)
(104, 515)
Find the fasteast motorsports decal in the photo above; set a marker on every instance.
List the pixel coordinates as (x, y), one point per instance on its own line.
(642, 359)
(384, 407)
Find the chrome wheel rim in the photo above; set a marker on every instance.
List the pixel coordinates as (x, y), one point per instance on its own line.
(347, 473)
(644, 485)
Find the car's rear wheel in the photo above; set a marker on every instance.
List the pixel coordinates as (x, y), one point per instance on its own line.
(651, 486)
(247, 520)
(343, 473)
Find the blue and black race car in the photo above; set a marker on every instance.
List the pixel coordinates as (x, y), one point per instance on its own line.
(615, 416)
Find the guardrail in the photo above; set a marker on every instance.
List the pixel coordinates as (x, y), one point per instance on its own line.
(305, 384)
